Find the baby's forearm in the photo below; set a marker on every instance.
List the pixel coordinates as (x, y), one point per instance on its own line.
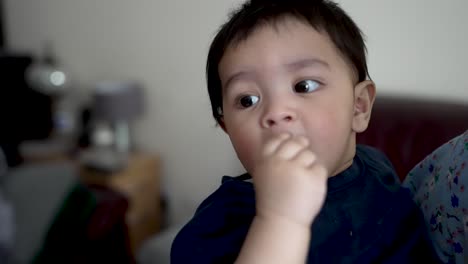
(275, 240)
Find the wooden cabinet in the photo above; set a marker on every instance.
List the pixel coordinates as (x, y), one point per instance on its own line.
(139, 182)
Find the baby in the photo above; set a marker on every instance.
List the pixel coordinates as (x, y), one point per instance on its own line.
(288, 83)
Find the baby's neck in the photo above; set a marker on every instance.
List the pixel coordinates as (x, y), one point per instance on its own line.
(343, 167)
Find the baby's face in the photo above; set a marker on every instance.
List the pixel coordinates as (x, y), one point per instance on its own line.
(288, 78)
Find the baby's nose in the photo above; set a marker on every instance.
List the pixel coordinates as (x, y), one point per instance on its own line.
(275, 118)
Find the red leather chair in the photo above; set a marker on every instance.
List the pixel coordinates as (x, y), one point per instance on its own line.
(407, 130)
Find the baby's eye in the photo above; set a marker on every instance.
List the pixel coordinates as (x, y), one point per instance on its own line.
(248, 100)
(306, 86)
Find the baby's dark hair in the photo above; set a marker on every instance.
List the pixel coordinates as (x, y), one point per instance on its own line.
(323, 15)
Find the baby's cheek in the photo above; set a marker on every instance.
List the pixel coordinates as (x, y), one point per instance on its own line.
(247, 151)
(330, 139)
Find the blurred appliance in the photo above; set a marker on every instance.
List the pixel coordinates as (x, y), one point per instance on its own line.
(116, 104)
(48, 77)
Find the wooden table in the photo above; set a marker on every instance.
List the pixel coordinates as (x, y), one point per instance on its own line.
(139, 181)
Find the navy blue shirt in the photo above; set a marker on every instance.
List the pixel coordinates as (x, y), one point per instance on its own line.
(366, 218)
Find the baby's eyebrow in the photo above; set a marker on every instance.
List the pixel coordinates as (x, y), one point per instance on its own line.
(291, 66)
(305, 63)
(237, 76)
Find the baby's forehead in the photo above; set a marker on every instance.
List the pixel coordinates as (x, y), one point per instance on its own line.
(280, 25)
(286, 41)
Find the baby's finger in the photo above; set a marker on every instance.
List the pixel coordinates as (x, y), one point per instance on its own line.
(305, 157)
(291, 147)
(272, 145)
(318, 171)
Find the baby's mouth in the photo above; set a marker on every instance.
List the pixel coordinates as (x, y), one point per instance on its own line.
(291, 132)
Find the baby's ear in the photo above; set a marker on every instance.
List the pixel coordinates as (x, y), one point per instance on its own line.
(364, 95)
(221, 124)
(220, 119)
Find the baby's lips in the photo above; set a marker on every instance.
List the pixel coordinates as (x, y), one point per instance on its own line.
(277, 132)
(290, 133)
(280, 135)
(283, 135)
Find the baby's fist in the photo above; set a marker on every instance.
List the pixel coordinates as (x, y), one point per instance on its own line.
(289, 181)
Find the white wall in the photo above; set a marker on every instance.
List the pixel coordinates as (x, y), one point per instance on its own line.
(416, 47)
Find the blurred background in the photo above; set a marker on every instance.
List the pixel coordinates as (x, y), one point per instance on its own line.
(111, 94)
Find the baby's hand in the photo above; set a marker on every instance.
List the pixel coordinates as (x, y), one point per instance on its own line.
(289, 183)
